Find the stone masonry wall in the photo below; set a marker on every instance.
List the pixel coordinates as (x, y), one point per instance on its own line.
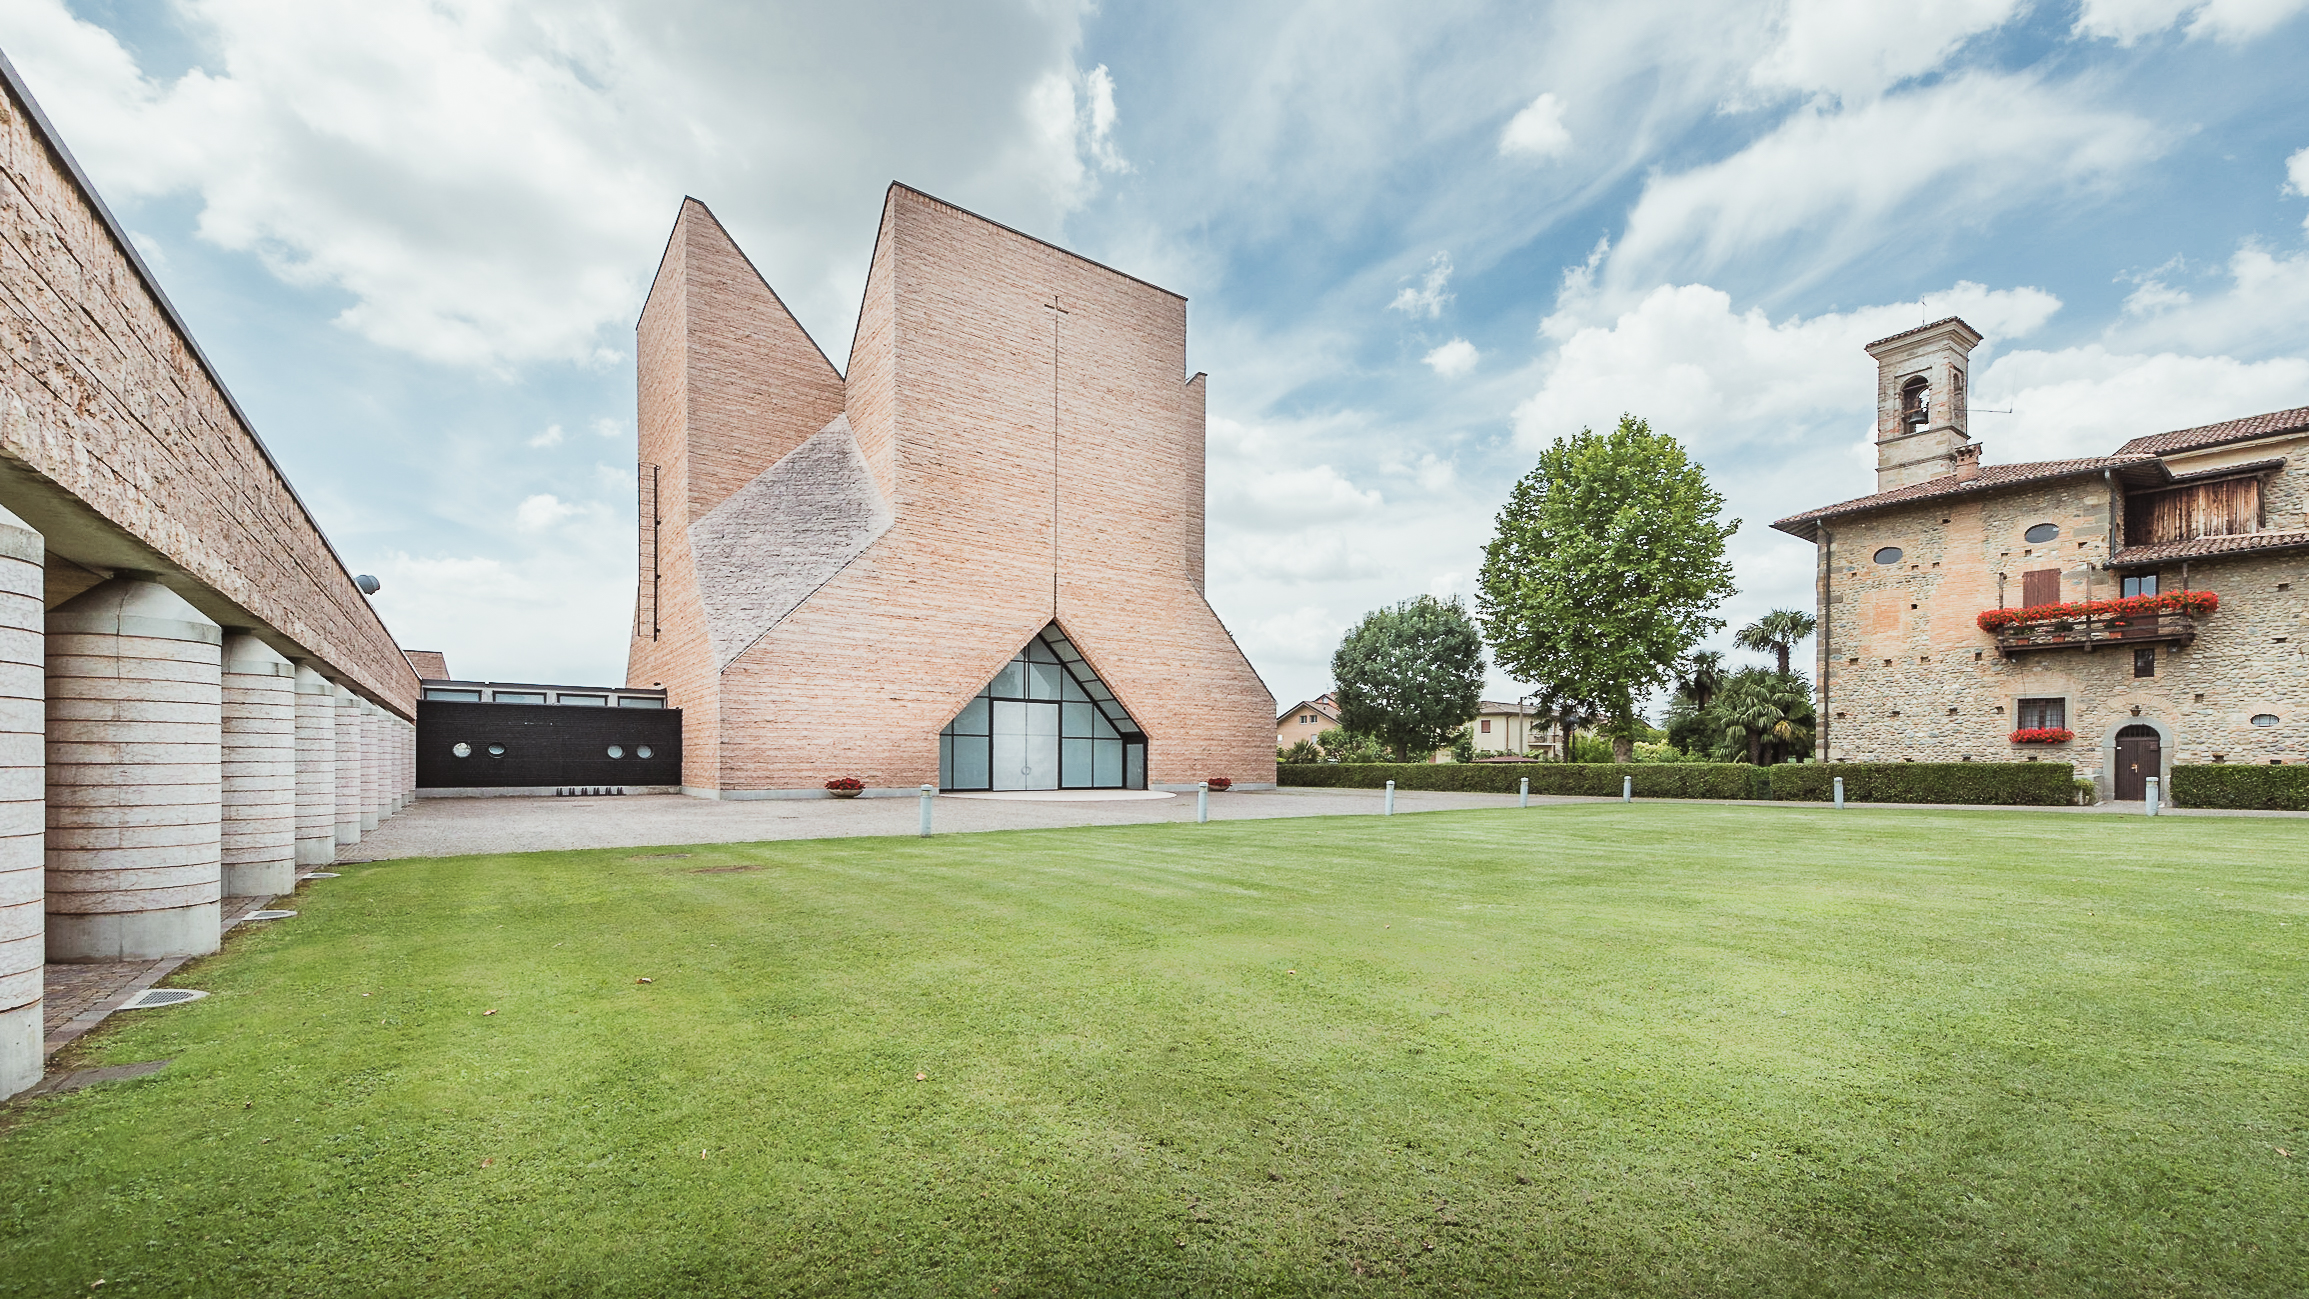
(101, 396)
(1910, 676)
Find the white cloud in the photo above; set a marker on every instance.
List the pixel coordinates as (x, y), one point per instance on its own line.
(1537, 131)
(540, 512)
(1858, 51)
(2263, 307)
(2086, 401)
(1276, 499)
(1453, 359)
(2127, 21)
(608, 428)
(1431, 295)
(1969, 147)
(2297, 176)
(551, 437)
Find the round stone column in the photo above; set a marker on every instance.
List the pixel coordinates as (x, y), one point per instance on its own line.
(372, 765)
(23, 799)
(134, 723)
(316, 769)
(405, 754)
(259, 839)
(348, 800)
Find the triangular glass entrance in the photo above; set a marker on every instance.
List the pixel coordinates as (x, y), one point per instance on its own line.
(1044, 722)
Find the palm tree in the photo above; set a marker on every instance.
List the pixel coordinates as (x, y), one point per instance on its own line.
(1701, 678)
(1776, 633)
(1772, 715)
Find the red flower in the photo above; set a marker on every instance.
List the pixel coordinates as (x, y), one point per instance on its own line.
(1220, 782)
(2043, 735)
(2193, 602)
(845, 782)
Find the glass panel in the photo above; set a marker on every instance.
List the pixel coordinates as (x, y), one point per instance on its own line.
(1067, 651)
(1069, 688)
(1041, 719)
(1097, 688)
(1011, 680)
(517, 696)
(1043, 679)
(1101, 728)
(455, 696)
(974, 719)
(970, 763)
(1134, 766)
(1010, 769)
(1038, 652)
(1108, 773)
(1078, 719)
(586, 701)
(1074, 758)
(945, 762)
(1009, 718)
(640, 701)
(1042, 756)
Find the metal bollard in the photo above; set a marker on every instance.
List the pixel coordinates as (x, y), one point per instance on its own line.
(1390, 799)
(1627, 789)
(2152, 808)
(1202, 802)
(1839, 793)
(928, 792)
(1523, 792)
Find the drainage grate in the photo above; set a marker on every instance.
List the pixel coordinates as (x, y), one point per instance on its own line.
(587, 791)
(318, 875)
(268, 915)
(152, 998)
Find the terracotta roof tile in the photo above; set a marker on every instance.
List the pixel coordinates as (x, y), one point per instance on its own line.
(2168, 551)
(1991, 478)
(1944, 320)
(2295, 420)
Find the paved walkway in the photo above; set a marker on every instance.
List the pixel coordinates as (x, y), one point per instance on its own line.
(445, 827)
(75, 998)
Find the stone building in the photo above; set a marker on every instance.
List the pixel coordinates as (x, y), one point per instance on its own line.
(1906, 670)
(973, 557)
(196, 699)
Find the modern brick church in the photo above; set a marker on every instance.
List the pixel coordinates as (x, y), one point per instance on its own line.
(973, 557)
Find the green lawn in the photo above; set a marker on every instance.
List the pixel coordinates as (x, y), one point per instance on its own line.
(1660, 1049)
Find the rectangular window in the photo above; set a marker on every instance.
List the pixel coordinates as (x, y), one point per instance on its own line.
(1487, 727)
(2145, 661)
(455, 696)
(586, 701)
(640, 701)
(517, 697)
(2040, 586)
(2145, 584)
(2038, 713)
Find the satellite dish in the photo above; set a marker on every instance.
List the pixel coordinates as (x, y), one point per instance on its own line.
(368, 584)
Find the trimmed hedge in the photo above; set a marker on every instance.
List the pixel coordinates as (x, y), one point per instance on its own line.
(2048, 784)
(2265, 789)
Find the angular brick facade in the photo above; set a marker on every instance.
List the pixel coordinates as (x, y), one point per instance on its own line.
(1029, 449)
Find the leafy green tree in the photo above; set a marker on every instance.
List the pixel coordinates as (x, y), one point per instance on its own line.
(1776, 633)
(1337, 744)
(1603, 568)
(1410, 675)
(1770, 713)
(1463, 746)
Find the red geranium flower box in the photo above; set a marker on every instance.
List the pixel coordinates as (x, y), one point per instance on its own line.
(845, 787)
(2141, 606)
(1220, 783)
(2043, 735)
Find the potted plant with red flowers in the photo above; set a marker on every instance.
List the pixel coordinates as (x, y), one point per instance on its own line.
(2043, 735)
(845, 787)
(1218, 783)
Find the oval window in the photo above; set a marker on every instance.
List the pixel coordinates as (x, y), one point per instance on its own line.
(616, 751)
(2265, 719)
(1888, 555)
(642, 752)
(496, 750)
(2041, 533)
(461, 749)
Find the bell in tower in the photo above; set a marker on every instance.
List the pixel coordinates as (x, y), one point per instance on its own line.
(1920, 402)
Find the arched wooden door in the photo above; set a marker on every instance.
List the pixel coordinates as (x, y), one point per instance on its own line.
(2140, 755)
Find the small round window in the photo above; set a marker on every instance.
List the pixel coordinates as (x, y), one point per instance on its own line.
(1888, 555)
(616, 751)
(642, 752)
(2265, 719)
(461, 749)
(2041, 533)
(496, 750)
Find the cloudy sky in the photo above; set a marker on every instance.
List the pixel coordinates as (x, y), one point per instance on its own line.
(1420, 242)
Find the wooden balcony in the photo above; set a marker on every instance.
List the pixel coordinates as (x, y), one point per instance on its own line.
(2089, 634)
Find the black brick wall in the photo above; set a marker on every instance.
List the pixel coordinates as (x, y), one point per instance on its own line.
(545, 744)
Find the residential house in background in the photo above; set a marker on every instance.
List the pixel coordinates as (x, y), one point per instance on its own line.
(1305, 720)
(2209, 524)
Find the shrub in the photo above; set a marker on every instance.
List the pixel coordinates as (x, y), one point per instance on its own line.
(2087, 793)
(2273, 789)
(2043, 784)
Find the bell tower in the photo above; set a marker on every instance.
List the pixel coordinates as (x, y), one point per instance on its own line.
(1920, 403)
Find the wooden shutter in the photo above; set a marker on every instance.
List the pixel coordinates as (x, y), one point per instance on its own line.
(2042, 586)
